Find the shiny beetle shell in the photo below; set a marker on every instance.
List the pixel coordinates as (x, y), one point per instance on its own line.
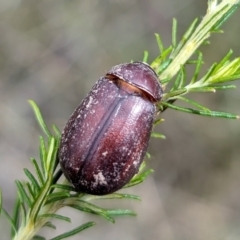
(106, 138)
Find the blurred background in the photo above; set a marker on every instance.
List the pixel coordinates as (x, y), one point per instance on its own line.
(54, 51)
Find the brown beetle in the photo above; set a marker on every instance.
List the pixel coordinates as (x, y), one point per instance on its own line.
(106, 138)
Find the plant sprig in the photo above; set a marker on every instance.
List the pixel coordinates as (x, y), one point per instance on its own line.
(41, 196)
(172, 61)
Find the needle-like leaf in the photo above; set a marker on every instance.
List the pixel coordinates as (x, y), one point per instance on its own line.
(74, 231)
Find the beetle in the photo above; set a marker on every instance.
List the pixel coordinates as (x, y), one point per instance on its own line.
(106, 138)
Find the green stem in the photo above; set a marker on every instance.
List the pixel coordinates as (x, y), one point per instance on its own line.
(215, 14)
(31, 229)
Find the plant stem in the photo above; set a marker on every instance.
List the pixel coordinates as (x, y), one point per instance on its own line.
(30, 229)
(214, 15)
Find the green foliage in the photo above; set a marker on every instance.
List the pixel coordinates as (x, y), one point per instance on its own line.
(170, 65)
(41, 195)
